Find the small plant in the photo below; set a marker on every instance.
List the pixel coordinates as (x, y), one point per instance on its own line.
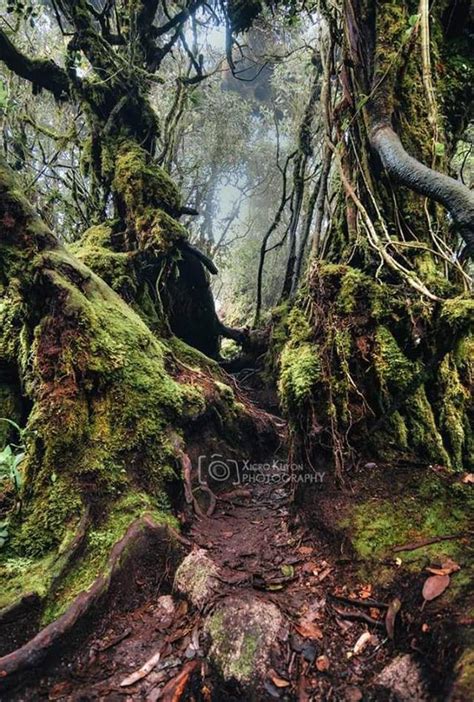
(11, 458)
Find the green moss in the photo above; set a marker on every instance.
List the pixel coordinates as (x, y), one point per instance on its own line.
(116, 269)
(10, 409)
(238, 664)
(300, 371)
(159, 232)
(110, 401)
(423, 431)
(19, 575)
(452, 412)
(464, 684)
(435, 509)
(458, 314)
(98, 236)
(298, 327)
(142, 183)
(394, 370)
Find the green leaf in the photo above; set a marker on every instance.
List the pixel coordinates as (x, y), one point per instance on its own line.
(439, 148)
(288, 571)
(413, 19)
(6, 455)
(3, 96)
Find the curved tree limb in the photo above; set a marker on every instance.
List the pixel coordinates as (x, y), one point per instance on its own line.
(43, 73)
(451, 193)
(205, 260)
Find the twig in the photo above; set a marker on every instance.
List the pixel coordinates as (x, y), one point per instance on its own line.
(360, 603)
(426, 542)
(142, 672)
(358, 616)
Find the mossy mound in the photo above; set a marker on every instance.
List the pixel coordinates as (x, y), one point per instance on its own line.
(364, 367)
(408, 508)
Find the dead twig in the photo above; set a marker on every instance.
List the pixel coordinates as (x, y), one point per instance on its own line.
(360, 603)
(358, 616)
(142, 672)
(427, 542)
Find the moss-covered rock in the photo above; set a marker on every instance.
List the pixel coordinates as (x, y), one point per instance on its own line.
(196, 577)
(244, 634)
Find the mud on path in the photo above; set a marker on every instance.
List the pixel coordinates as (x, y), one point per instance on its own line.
(285, 626)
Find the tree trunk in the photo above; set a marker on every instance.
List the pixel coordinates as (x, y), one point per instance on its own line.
(378, 356)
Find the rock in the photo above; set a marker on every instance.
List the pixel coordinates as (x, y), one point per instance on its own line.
(245, 634)
(166, 603)
(402, 680)
(196, 577)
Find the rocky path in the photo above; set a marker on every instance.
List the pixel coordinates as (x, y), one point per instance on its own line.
(260, 609)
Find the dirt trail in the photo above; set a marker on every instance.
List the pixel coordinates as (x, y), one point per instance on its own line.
(264, 552)
(257, 552)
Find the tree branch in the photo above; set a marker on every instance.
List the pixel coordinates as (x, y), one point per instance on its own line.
(451, 193)
(42, 73)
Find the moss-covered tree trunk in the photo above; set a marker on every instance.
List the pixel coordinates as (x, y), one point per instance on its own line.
(378, 354)
(106, 405)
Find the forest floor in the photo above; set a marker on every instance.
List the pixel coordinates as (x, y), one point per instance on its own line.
(338, 637)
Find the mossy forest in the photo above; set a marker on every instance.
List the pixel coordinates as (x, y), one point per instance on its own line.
(236, 350)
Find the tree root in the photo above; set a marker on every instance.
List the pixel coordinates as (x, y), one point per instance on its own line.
(34, 651)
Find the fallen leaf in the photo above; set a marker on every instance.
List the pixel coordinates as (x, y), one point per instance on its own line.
(287, 570)
(277, 681)
(175, 688)
(425, 628)
(390, 617)
(322, 663)
(305, 550)
(365, 592)
(362, 642)
(434, 586)
(468, 478)
(352, 694)
(448, 566)
(308, 630)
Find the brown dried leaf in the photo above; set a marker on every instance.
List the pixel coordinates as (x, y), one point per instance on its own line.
(361, 643)
(305, 550)
(277, 681)
(322, 663)
(434, 586)
(324, 574)
(308, 630)
(365, 592)
(447, 567)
